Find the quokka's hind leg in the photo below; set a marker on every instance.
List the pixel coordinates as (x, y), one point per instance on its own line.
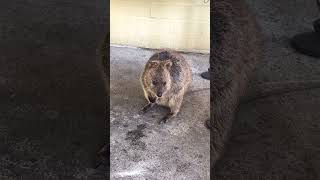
(174, 105)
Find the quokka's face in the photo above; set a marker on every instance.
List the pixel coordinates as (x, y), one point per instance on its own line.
(159, 79)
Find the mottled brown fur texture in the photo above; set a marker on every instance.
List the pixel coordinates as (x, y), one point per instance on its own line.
(165, 79)
(236, 49)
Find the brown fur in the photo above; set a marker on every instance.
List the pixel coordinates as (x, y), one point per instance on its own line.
(236, 50)
(165, 79)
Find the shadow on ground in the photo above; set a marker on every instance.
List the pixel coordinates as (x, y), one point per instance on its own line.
(52, 108)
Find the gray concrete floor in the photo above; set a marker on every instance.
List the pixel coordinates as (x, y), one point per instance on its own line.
(52, 102)
(52, 98)
(140, 147)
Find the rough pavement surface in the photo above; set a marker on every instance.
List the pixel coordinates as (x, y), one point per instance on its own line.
(140, 147)
(52, 98)
(278, 137)
(48, 79)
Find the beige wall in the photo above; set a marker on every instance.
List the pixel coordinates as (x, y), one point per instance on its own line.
(177, 24)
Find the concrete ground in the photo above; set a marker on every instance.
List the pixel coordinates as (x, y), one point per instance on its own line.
(52, 102)
(140, 147)
(52, 97)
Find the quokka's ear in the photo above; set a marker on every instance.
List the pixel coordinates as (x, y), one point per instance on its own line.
(168, 64)
(153, 64)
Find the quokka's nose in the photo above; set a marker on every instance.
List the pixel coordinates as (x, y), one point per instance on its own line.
(159, 94)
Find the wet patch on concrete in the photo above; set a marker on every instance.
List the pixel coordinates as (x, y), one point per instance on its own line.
(140, 147)
(183, 167)
(135, 136)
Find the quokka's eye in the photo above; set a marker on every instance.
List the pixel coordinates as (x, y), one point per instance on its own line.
(164, 83)
(154, 82)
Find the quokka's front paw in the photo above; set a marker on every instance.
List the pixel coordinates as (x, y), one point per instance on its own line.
(142, 111)
(146, 108)
(152, 99)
